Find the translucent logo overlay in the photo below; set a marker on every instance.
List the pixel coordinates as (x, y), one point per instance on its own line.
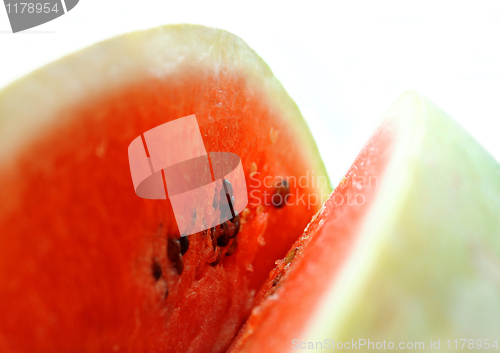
(170, 161)
(25, 14)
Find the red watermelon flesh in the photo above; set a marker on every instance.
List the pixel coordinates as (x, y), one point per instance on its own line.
(85, 264)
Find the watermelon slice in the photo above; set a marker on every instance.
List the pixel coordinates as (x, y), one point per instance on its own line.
(405, 251)
(85, 264)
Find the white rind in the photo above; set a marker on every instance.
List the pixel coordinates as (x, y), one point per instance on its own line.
(426, 264)
(35, 103)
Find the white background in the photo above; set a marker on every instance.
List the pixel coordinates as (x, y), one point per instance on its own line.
(343, 62)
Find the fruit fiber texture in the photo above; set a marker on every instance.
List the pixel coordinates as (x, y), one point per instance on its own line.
(415, 257)
(88, 266)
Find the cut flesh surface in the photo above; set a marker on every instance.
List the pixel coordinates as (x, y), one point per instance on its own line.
(85, 264)
(415, 257)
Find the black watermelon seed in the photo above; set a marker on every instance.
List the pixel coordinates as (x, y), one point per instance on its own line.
(179, 265)
(227, 198)
(174, 254)
(223, 236)
(232, 248)
(156, 269)
(236, 225)
(173, 249)
(281, 194)
(225, 214)
(213, 235)
(231, 229)
(216, 202)
(227, 187)
(184, 244)
(216, 262)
